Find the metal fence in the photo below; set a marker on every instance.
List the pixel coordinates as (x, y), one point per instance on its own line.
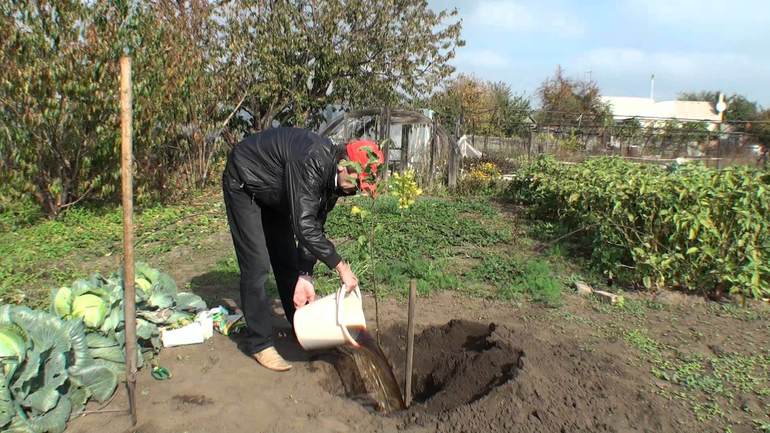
(713, 149)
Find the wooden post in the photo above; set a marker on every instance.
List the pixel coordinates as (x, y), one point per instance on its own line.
(452, 157)
(385, 136)
(405, 133)
(433, 146)
(410, 343)
(129, 293)
(529, 144)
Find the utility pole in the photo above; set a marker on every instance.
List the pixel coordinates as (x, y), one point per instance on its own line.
(652, 87)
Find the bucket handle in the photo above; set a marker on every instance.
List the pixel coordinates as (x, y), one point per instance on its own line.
(340, 320)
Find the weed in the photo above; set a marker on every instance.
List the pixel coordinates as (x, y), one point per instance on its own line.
(706, 411)
(644, 343)
(537, 279)
(571, 317)
(763, 426)
(739, 312)
(700, 377)
(601, 306)
(497, 269)
(18, 214)
(633, 307)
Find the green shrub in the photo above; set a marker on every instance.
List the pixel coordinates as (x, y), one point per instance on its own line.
(686, 226)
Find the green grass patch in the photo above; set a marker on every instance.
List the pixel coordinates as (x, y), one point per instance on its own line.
(514, 278)
(642, 342)
(430, 228)
(762, 426)
(736, 311)
(51, 252)
(417, 243)
(18, 214)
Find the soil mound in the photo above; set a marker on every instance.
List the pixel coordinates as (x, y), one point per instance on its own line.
(473, 377)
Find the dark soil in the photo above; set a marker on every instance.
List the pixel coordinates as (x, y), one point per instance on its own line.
(476, 377)
(459, 364)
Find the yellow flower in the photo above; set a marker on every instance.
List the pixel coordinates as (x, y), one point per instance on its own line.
(355, 210)
(404, 187)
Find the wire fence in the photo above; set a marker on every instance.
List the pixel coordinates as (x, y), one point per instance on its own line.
(655, 145)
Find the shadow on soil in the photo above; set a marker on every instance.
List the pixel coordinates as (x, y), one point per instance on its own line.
(217, 286)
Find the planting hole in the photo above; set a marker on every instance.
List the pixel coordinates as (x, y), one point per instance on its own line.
(455, 364)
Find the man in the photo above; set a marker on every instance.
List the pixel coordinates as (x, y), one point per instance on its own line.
(278, 187)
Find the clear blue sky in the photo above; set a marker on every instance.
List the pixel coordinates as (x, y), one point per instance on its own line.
(687, 44)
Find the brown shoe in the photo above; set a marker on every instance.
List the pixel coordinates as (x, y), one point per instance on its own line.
(271, 359)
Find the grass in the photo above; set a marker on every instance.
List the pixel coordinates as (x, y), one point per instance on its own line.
(709, 384)
(630, 309)
(418, 243)
(424, 243)
(227, 274)
(515, 277)
(18, 214)
(443, 244)
(35, 257)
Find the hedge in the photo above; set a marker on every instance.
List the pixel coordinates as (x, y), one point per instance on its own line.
(678, 226)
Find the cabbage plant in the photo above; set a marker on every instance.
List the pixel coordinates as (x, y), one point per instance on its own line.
(98, 302)
(52, 363)
(47, 372)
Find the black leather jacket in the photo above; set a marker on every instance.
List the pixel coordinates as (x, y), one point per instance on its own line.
(292, 171)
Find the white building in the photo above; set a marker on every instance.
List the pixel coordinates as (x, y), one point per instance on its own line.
(651, 112)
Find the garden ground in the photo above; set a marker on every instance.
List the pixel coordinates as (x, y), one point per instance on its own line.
(553, 361)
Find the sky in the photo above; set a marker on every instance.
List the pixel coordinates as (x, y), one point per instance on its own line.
(689, 45)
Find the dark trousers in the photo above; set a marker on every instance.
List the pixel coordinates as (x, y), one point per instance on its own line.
(262, 239)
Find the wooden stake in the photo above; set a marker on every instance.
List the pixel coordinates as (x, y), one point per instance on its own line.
(129, 291)
(385, 143)
(410, 343)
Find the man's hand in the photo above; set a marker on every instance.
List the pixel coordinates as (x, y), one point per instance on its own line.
(347, 276)
(304, 291)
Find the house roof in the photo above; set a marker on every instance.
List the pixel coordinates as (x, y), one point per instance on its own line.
(625, 107)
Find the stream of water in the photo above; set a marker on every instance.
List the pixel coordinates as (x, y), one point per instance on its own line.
(367, 375)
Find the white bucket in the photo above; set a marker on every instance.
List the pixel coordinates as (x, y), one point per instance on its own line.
(325, 323)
